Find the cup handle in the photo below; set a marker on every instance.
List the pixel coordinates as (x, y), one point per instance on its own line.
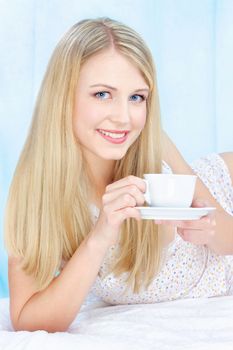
(147, 194)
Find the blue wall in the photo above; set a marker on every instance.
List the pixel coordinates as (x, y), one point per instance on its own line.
(192, 46)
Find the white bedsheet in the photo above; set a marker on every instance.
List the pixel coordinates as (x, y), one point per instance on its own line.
(198, 324)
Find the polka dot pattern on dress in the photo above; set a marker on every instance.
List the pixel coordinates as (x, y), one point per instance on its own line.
(188, 270)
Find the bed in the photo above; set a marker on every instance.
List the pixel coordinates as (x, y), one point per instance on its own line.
(183, 324)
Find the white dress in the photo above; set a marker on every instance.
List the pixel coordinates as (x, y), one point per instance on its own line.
(188, 271)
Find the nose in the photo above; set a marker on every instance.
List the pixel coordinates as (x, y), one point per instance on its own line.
(121, 112)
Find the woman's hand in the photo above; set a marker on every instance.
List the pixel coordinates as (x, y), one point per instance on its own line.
(200, 232)
(118, 203)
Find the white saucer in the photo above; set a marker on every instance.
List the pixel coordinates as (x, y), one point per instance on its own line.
(158, 213)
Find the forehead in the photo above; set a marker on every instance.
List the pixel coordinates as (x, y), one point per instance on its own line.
(112, 67)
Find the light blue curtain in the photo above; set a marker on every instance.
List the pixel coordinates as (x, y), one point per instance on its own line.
(192, 43)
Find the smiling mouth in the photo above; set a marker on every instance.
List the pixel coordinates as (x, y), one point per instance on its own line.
(116, 136)
(113, 134)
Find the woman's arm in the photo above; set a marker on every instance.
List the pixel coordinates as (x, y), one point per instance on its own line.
(54, 308)
(222, 241)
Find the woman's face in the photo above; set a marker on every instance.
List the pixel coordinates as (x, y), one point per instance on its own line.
(110, 105)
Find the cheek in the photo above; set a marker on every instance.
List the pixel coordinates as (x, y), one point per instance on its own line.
(85, 117)
(139, 119)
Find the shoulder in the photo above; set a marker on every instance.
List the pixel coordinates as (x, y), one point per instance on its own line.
(228, 159)
(172, 156)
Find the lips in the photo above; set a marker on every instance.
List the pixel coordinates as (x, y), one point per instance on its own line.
(114, 136)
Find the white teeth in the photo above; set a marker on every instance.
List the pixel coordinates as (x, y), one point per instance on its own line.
(113, 135)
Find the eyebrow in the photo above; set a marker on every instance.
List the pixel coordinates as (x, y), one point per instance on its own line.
(113, 88)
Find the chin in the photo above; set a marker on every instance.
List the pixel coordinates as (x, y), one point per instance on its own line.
(114, 155)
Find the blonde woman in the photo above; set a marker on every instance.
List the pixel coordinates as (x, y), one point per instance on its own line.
(71, 223)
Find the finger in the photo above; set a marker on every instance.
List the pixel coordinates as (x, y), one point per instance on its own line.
(129, 180)
(115, 218)
(131, 213)
(121, 202)
(200, 203)
(118, 216)
(199, 237)
(130, 189)
(212, 216)
(205, 222)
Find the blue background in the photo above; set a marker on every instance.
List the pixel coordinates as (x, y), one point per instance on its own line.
(192, 44)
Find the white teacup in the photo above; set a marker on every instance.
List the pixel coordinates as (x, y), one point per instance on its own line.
(169, 190)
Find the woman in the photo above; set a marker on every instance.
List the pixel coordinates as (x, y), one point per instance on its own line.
(95, 132)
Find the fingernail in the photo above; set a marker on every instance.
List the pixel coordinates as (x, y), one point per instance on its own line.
(206, 219)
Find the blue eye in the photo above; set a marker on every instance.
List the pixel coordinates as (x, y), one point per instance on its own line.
(102, 95)
(137, 98)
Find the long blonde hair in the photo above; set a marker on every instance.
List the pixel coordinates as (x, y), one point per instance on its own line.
(47, 214)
